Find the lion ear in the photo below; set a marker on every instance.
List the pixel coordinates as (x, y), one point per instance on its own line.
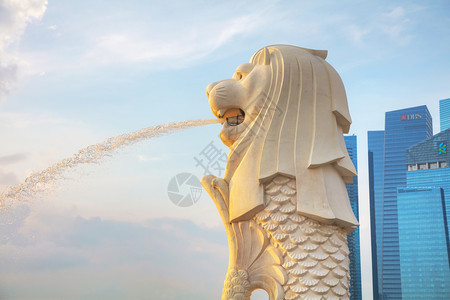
(264, 58)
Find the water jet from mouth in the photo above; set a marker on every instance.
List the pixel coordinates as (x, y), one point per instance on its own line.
(38, 183)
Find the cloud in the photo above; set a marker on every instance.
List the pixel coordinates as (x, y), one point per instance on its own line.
(14, 17)
(145, 38)
(8, 77)
(356, 34)
(161, 258)
(8, 178)
(13, 158)
(395, 25)
(173, 47)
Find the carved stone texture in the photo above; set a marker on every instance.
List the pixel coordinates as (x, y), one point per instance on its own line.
(283, 199)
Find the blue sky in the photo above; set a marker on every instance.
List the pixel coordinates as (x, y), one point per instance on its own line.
(73, 73)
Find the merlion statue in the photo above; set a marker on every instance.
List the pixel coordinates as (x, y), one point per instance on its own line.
(283, 199)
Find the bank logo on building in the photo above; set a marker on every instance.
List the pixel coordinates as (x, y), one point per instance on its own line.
(442, 148)
(410, 117)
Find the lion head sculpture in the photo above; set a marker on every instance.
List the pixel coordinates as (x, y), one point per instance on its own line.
(285, 113)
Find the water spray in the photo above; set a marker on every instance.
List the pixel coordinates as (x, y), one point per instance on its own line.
(39, 182)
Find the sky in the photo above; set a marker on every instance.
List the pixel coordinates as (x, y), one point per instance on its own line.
(73, 73)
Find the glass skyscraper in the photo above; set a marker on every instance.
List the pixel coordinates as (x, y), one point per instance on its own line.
(403, 128)
(376, 167)
(423, 240)
(429, 166)
(444, 113)
(353, 238)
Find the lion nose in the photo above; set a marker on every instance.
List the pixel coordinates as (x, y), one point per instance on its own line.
(209, 88)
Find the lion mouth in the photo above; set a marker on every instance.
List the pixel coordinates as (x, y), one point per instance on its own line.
(236, 120)
(233, 117)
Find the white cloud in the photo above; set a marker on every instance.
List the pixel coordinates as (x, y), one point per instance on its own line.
(396, 13)
(13, 158)
(395, 25)
(7, 178)
(356, 33)
(8, 75)
(162, 258)
(143, 39)
(175, 47)
(15, 15)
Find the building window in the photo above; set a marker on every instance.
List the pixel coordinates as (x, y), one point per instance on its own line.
(443, 164)
(412, 167)
(434, 165)
(422, 166)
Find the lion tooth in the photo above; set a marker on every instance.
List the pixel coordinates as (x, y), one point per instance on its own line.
(235, 120)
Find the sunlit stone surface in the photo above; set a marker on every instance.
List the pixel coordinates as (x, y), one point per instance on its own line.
(283, 199)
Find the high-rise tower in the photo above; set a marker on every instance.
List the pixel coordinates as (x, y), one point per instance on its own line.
(444, 113)
(403, 128)
(428, 165)
(376, 168)
(353, 238)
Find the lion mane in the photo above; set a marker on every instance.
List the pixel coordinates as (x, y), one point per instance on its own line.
(298, 132)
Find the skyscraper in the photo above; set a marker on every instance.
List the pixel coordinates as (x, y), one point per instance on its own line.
(429, 166)
(353, 238)
(424, 223)
(403, 128)
(423, 241)
(376, 167)
(444, 113)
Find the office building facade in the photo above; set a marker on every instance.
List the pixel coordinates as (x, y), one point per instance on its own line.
(444, 114)
(423, 243)
(376, 168)
(353, 238)
(403, 128)
(429, 166)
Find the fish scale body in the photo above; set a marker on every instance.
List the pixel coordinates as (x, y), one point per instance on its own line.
(315, 255)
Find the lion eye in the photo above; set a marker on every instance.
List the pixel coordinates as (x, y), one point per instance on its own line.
(240, 75)
(242, 71)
